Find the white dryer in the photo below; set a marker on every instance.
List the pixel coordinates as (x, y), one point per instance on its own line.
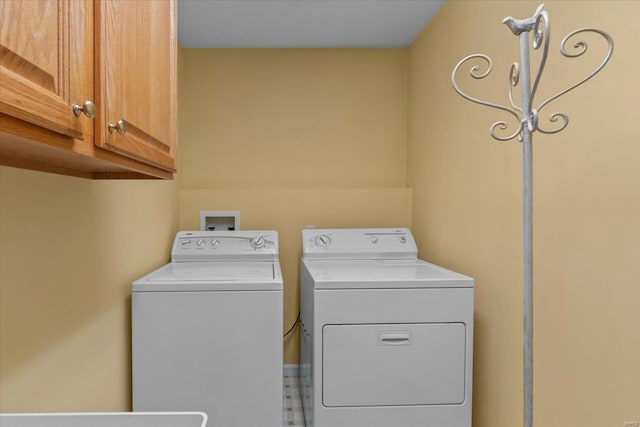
(207, 330)
(386, 338)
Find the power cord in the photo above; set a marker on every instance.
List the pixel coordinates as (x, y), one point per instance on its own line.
(292, 326)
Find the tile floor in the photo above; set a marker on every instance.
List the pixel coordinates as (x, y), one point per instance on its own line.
(292, 415)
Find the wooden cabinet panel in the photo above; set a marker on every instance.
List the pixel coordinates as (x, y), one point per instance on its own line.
(136, 77)
(35, 73)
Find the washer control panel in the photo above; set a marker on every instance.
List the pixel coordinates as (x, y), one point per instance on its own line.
(359, 243)
(241, 245)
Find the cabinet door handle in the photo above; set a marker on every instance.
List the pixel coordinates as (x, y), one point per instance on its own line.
(120, 126)
(88, 108)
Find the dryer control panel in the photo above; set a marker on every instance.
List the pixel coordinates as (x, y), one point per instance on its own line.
(359, 243)
(242, 245)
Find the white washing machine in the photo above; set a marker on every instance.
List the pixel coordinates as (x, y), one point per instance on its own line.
(207, 330)
(386, 338)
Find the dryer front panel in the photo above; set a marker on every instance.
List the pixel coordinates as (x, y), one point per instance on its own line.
(393, 364)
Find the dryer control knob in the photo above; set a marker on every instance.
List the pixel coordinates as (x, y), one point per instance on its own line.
(323, 240)
(257, 242)
(200, 242)
(215, 243)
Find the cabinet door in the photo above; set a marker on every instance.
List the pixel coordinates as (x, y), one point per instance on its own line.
(136, 79)
(35, 52)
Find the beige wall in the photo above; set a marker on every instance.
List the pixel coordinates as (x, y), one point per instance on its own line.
(293, 118)
(292, 137)
(69, 250)
(467, 210)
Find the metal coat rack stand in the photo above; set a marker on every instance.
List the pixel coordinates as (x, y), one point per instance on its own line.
(527, 117)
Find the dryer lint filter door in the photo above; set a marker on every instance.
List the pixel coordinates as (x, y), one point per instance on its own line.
(393, 365)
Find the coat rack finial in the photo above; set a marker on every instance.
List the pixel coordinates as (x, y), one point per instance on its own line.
(538, 24)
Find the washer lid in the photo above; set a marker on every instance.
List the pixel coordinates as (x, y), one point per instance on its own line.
(212, 276)
(383, 274)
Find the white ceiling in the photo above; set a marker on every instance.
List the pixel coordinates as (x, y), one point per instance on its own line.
(302, 23)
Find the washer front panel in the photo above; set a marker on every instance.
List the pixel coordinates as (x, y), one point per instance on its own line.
(217, 352)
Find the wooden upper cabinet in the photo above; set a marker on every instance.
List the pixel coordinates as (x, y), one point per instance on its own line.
(136, 66)
(35, 64)
(121, 55)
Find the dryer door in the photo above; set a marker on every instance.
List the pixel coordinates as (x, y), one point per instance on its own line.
(393, 364)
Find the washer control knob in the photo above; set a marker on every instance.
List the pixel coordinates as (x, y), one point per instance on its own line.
(185, 243)
(200, 242)
(375, 240)
(257, 242)
(215, 243)
(323, 241)
(403, 239)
